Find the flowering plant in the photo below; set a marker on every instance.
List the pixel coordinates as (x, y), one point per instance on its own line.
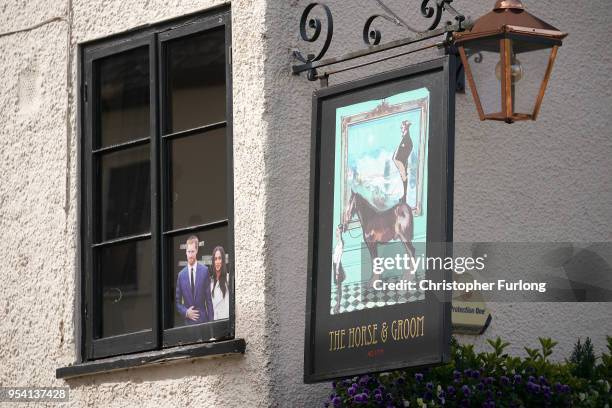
(488, 380)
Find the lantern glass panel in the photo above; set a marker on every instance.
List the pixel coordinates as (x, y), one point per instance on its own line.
(484, 58)
(531, 62)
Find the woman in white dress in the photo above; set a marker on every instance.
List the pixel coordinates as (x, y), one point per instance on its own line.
(219, 285)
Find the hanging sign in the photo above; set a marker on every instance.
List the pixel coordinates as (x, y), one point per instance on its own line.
(381, 199)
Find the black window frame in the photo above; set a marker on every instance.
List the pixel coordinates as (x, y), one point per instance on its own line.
(161, 335)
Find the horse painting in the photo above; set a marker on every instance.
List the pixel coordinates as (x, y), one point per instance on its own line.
(379, 227)
(337, 270)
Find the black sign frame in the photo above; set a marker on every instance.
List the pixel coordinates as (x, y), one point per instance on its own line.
(321, 364)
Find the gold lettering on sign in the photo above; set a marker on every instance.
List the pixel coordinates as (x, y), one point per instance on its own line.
(408, 328)
(362, 335)
(367, 335)
(336, 340)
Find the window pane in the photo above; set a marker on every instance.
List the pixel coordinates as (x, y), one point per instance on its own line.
(123, 89)
(485, 66)
(196, 80)
(179, 296)
(533, 65)
(125, 194)
(198, 171)
(126, 296)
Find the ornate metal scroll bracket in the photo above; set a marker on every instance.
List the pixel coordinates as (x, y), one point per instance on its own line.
(315, 24)
(311, 29)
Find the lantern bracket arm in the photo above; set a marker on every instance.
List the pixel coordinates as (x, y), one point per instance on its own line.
(311, 29)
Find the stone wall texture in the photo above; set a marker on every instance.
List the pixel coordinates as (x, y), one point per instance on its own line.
(544, 181)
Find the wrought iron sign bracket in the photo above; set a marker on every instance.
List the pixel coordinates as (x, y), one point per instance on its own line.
(311, 29)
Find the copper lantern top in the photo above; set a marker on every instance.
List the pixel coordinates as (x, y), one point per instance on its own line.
(509, 4)
(509, 16)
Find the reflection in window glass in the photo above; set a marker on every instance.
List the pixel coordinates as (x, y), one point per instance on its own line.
(212, 304)
(196, 80)
(198, 179)
(125, 194)
(123, 92)
(126, 278)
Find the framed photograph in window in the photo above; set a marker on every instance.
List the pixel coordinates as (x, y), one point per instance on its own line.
(381, 188)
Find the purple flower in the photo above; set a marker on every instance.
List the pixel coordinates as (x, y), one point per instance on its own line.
(363, 380)
(378, 397)
(467, 372)
(531, 378)
(352, 391)
(504, 380)
(450, 389)
(429, 386)
(475, 375)
(428, 396)
(480, 386)
(466, 390)
(518, 378)
(456, 374)
(535, 388)
(418, 377)
(358, 398)
(543, 380)
(333, 384)
(336, 401)
(566, 388)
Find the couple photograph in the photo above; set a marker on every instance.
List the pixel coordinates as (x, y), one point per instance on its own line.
(202, 292)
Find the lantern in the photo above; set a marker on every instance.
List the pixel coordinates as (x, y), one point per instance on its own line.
(508, 57)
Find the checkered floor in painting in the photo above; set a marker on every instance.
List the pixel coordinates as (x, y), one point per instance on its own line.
(360, 295)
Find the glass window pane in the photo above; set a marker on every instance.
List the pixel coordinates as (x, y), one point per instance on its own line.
(531, 64)
(126, 297)
(125, 194)
(196, 80)
(123, 91)
(198, 186)
(212, 304)
(486, 71)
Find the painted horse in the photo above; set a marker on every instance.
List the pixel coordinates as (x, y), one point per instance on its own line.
(337, 269)
(380, 227)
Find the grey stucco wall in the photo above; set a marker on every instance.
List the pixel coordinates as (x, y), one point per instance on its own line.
(543, 181)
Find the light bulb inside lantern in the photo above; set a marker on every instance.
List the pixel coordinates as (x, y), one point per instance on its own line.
(516, 70)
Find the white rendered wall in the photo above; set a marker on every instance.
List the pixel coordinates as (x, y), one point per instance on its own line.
(38, 208)
(543, 181)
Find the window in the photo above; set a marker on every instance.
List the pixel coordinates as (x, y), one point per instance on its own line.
(156, 171)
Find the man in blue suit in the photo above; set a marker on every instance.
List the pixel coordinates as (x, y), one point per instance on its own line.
(193, 300)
